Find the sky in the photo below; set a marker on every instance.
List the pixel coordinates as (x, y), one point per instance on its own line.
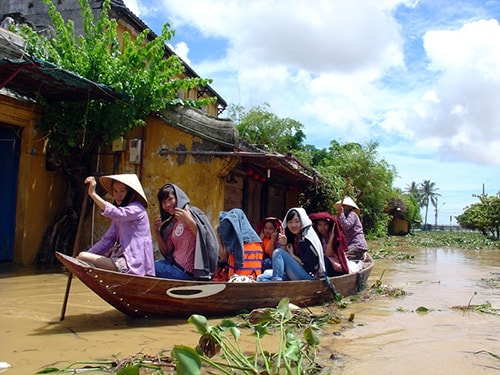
(420, 78)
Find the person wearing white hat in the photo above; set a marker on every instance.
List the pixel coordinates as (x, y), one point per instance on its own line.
(127, 245)
(348, 217)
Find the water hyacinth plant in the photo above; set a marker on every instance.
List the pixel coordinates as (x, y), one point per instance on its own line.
(219, 347)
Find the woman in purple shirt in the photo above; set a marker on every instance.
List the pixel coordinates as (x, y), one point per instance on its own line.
(353, 229)
(127, 245)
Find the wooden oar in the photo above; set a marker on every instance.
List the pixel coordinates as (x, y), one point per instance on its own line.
(345, 190)
(75, 252)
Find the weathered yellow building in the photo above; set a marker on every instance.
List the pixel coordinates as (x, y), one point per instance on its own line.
(190, 147)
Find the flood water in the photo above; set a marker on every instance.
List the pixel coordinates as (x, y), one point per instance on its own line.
(387, 336)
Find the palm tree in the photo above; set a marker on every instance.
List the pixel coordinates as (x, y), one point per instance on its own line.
(413, 190)
(429, 195)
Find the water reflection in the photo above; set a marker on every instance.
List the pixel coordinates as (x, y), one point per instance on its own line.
(387, 335)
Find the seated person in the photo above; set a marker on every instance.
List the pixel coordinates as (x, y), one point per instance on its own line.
(240, 245)
(268, 230)
(127, 245)
(333, 241)
(323, 223)
(185, 238)
(300, 254)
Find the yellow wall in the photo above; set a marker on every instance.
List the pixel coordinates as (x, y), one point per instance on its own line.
(39, 192)
(203, 182)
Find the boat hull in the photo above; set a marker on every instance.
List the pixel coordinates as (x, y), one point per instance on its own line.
(152, 297)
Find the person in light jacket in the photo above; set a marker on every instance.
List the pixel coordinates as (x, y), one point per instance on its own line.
(127, 245)
(348, 217)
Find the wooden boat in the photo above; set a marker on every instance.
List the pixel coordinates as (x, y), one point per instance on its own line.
(151, 297)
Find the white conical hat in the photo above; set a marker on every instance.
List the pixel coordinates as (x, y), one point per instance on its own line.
(129, 179)
(348, 202)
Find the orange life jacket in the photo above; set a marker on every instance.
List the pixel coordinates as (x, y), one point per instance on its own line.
(252, 260)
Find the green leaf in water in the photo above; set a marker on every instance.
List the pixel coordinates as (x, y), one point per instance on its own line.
(48, 370)
(187, 360)
(129, 370)
(200, 322)
(422, 309)
(311, 337)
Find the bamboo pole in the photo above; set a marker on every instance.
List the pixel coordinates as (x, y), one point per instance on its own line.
(345, 190)
(75, 252)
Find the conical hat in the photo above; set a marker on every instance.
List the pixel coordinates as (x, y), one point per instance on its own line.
(130, 179)
(348, 202)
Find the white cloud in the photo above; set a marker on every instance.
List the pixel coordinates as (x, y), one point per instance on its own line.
(133, 6)
(181, 49)
(461, 111)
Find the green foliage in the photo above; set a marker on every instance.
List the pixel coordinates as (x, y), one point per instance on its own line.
(370, 184)
(390, 247)
(424, 193)
(371, 177)
(261, 127)
(137, 68)
(483, 216)
(219, 346)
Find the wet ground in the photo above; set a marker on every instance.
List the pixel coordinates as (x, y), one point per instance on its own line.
(387, 336)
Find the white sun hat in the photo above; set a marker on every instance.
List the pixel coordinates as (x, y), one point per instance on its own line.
(129, 179)
(348, 202)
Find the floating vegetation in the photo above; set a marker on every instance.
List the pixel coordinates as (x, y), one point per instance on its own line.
(385, 253)
(385, 290)
(493, 282)
(219, 352)
(134, 365)
(422, 310)
(496, 356)
(485, 308)
(389, 247)
(219, 347)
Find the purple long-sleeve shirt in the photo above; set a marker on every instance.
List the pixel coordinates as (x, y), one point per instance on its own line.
(131, 228)
(353, 230)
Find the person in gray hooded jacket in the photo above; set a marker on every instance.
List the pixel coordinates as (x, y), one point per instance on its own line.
(185, 238)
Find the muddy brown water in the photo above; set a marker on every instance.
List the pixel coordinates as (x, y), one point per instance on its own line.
(387, 336)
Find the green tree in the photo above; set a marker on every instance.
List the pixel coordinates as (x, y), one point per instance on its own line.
(138, 68)
(414, 190)
(428, 193)
(483, 216)
(259, 126)
(370, 182)
(370, 177)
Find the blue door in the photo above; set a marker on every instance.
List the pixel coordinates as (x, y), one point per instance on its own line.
(9, 165)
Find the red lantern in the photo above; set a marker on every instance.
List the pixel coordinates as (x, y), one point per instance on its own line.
(262, 179)
(249, 171)
(255, 176)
